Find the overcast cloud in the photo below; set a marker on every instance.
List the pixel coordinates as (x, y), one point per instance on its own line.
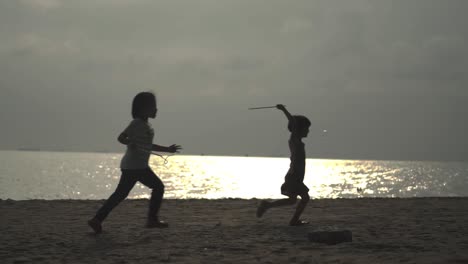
(387, 79)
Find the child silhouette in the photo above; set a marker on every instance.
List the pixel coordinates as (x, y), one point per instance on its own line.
(293, 185)
(138, 137)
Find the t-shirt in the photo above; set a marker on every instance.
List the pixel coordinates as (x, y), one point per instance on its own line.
(141, 136)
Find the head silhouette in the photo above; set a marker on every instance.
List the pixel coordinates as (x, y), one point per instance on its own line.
(144, 105)
(302, 125)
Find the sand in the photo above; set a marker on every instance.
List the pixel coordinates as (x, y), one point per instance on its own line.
(420, 230)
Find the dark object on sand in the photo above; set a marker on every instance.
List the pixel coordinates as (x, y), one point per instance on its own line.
(331, 237)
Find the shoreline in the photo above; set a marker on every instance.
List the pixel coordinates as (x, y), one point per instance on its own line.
(250, 199)
(385, 230)
(254, 198)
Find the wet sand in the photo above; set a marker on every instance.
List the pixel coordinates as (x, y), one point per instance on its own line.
(419, 230)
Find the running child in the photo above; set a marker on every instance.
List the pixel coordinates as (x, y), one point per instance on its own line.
(138, 137)
(293, 185)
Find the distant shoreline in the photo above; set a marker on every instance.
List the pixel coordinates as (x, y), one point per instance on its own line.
(224, 155)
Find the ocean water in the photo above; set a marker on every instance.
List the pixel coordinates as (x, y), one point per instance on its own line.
(68, 175)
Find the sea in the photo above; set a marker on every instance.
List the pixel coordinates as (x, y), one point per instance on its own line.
(26, 175)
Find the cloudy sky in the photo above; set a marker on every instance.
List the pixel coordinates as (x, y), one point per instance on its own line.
(387, 79)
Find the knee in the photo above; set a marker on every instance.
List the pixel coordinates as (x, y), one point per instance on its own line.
(159, 188)
(305, 197)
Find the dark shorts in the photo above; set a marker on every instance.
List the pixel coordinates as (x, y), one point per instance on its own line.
(293, 186)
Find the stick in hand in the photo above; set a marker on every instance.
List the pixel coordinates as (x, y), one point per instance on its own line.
(263, 107)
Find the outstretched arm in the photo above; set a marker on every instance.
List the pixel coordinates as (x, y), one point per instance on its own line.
(125, 139)
(171, 149)
(291, 120)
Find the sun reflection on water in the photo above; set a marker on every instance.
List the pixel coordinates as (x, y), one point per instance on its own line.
(54, 175)
(261, 177)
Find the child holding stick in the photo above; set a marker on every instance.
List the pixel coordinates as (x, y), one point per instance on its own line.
(293, 185)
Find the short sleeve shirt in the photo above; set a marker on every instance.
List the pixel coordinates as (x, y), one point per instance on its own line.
(141, 136)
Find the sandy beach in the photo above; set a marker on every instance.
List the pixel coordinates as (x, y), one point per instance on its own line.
(419, 230)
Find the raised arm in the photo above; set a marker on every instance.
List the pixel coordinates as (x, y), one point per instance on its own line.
(291, 120)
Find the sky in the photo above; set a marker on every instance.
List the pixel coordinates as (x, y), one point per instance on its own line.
(386, 79)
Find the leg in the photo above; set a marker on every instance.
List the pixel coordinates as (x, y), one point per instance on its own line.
(126, 183)
(152, 181)
(299, 209)
(264, 205)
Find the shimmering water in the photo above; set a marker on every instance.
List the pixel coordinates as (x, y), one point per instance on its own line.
(61, 175)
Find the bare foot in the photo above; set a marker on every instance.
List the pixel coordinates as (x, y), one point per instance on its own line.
(95, 225)
(298, 223)
(156, 224)
(262, 208)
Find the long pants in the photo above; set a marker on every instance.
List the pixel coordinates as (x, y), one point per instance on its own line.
(126, 183)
